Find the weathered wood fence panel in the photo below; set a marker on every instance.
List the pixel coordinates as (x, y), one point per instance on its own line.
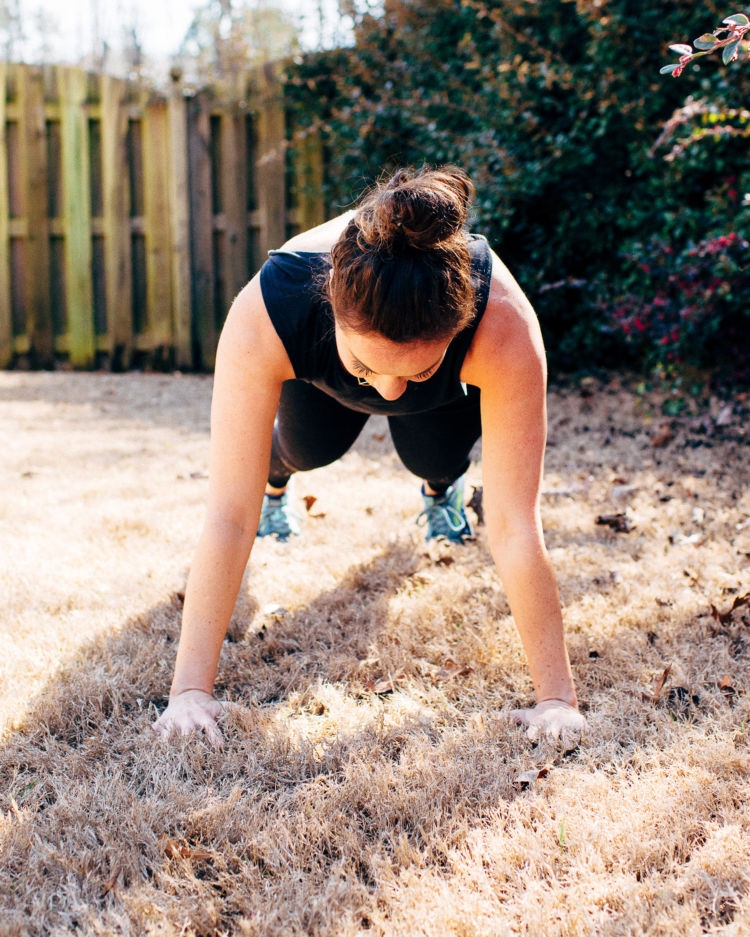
(6, 319)
(129, 219)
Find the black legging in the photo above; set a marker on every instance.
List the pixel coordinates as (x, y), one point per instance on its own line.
(312, 429)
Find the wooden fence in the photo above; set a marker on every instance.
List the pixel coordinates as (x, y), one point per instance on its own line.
(130, 219)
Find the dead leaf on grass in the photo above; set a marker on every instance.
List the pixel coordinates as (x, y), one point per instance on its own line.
(451, 669)
(381, 687)
(111, 881)
(527, 778)
(725, 415)
(656, 695)
(476, 503)
(678, 539)
(309, 501)
(726, 685)
(621, 522)
(661, 434)
(174, 849)
(725, 617)
(445, 561)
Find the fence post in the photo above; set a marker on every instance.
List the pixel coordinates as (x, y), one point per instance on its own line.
(201, 230)
(159, 324)
(270, 165)
(116, 222)
(73, 92)
(6, 322)
(179, 198)
(234, 202)
(33, 179)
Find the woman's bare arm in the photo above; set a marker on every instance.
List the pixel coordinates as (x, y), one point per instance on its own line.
(251, 365)
(507, 362)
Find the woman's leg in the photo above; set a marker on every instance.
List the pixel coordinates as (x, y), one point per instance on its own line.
(311, 430)
(436, 445)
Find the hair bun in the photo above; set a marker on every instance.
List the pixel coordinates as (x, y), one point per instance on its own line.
(416, 210)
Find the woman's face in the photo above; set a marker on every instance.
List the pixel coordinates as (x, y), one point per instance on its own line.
(386, 365)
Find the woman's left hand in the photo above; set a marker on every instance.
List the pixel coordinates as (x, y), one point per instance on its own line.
(552, 718)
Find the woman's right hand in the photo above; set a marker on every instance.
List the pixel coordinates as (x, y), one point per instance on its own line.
(190, 711)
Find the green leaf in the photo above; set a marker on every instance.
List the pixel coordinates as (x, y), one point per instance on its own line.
(729, 50)
(681, 49)
(668, 69)
(706, 41)
(673, 407)
(737, 19)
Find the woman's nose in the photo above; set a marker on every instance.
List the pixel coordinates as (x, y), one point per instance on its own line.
(389, 388)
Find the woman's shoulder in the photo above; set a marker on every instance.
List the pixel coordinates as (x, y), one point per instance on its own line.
(508, 339)
(319, 239)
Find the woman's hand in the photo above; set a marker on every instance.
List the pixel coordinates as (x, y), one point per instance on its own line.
(190, 711)
(552, 718)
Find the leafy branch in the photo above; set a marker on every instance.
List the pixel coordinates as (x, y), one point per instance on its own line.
(729, 37)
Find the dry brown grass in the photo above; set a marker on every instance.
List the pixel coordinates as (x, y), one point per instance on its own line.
(335, 809)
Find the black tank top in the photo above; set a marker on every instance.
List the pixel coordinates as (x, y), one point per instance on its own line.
(290, 283)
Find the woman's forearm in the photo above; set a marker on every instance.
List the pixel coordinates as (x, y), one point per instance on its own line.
(530, 585)
(211, 593)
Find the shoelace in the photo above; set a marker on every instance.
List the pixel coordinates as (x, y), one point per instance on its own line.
(442, 518)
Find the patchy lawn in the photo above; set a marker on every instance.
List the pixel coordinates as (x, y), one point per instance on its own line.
(370, 784)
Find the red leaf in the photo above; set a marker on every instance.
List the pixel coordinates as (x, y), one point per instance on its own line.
(309, 502)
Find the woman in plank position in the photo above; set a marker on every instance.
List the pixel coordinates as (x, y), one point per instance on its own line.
(396, 309)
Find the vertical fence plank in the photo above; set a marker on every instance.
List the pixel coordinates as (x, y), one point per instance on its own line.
(73, 87)
(179, 200)
(6, 324)
(36, 256)
(201, 231)
(157, 227)
(116, 222)
(270, 167)
(308, 173)
(234, 201)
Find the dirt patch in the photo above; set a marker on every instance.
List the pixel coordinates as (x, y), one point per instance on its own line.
(370, 783)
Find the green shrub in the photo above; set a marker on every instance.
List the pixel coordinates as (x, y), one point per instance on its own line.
(555, 109)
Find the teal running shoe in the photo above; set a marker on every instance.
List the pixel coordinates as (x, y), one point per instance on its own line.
(445, 516)
(277, 518)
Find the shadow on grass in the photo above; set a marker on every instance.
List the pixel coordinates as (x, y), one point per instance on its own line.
(110, 829)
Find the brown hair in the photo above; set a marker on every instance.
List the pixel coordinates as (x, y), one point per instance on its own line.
(401, 267)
